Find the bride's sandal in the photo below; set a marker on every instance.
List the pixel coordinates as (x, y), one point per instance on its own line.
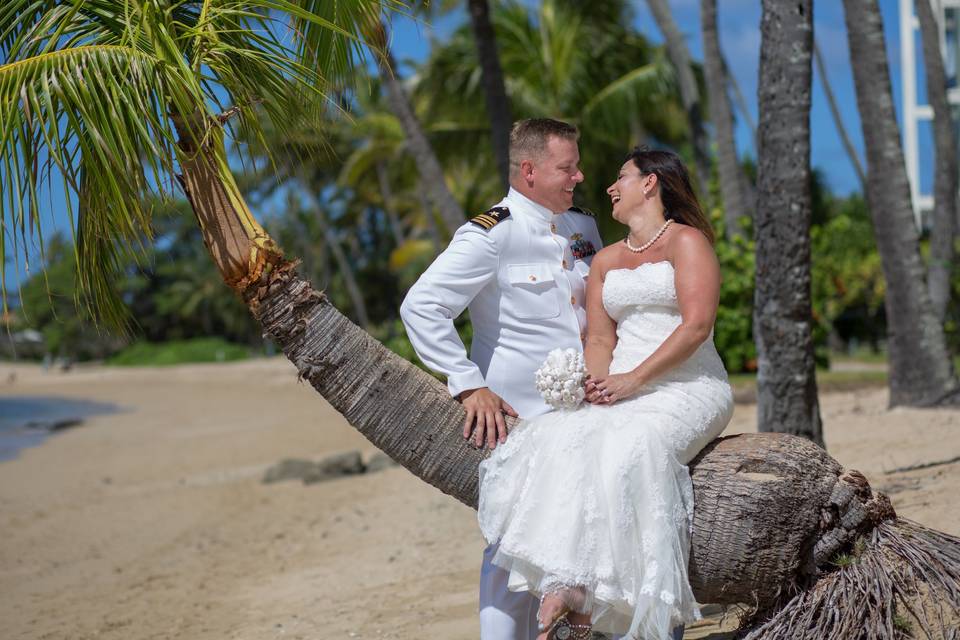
(560, 628)
(563, 629)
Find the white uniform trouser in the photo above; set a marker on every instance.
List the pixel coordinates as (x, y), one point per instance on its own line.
(511, 615)
(504, 614)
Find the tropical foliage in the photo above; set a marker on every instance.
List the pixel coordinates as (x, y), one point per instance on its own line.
(106, 100)
(342, 193)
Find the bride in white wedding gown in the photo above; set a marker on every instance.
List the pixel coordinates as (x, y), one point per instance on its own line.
(592, 508)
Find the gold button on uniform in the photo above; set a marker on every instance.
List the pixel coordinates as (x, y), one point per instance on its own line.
(564, 264)
(533, 278)
(553, 228)
(573, 300)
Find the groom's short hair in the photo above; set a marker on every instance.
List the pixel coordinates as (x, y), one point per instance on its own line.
(528, 138)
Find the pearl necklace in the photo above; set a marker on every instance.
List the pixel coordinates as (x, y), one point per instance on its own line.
(649, 244)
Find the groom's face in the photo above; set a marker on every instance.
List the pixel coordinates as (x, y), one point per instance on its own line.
(555, 174)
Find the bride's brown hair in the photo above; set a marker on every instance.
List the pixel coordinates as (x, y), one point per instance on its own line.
(676, 192)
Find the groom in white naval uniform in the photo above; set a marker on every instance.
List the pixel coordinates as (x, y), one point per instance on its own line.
(521, 269)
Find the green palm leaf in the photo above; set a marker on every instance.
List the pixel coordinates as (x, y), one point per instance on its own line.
(97, 98)
(90, 118)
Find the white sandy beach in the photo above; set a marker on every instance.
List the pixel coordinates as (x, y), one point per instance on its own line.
(153, 522)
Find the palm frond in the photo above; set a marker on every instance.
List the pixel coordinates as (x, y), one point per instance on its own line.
(89, 120)
(96, 95)
(624, 98)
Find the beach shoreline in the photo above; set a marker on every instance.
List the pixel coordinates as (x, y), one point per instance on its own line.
(154, 522)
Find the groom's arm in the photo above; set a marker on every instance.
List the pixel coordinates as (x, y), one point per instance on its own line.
(441, 294)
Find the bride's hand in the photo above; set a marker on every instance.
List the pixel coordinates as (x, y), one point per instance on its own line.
(611, 388)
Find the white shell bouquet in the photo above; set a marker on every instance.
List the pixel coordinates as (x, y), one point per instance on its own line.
(560, 378)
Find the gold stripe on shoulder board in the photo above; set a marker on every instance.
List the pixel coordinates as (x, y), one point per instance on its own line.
(490, 218)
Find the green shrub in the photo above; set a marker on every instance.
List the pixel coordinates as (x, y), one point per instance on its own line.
(153, 354)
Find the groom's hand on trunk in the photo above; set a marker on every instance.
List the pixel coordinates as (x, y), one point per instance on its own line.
(485, 421)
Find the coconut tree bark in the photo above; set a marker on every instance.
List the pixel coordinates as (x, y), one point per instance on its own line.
(427, 164)
(732, 180)
(238, 245)
(782, 317)
(491, 74)
(945, 174)
(689, 92)
(920, 369)
(837, 120)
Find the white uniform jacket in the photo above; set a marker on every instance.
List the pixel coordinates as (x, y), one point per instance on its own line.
(524, 280)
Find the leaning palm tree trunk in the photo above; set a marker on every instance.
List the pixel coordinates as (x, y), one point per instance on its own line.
(772, 511)
(945, 175)
(732, 180)
(920, 369)
(427, 164)
(498, 105)
(786, 380)
(689, 92)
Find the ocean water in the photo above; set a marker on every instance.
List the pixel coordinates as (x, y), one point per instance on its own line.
(26, 421)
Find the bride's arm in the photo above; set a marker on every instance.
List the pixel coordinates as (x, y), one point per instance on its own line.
(697, 281)
(601, 329)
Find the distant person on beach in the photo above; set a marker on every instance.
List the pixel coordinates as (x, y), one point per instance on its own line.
(521, 268)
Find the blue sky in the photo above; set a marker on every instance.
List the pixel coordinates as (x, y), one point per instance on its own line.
(739, 23)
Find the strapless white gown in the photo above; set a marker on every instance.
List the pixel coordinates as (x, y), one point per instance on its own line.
(600, 497)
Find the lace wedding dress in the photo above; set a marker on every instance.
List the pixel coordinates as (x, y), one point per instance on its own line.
(598, 502)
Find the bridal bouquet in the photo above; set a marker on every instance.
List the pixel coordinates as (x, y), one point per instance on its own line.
(560, 378)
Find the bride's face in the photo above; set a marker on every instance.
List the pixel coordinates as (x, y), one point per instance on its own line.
(630, 192)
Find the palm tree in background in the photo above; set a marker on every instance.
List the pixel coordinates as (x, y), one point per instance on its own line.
(122, 97)
(945, 175)
(920, 369)
(733, 183)
(619, 91)
(837, 120)
(689, 89)
(434, 182)
(494, 90)
(782, 313)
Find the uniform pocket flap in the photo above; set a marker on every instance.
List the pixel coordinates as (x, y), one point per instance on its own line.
(529, 274)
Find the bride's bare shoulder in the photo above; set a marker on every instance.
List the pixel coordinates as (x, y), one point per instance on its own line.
(686, 238)
(605, 259)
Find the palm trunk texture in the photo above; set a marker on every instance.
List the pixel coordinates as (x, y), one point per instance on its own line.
(427, 164)
(945, 175)
(237, 243)
(689, 92)
(732, 180)
(782, 316)
(491, 74)
(921, 373)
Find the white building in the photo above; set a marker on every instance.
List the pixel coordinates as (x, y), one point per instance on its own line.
(917, 118)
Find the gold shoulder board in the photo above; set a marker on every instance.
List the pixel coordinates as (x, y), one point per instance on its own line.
(491, 218)
(583, 212)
